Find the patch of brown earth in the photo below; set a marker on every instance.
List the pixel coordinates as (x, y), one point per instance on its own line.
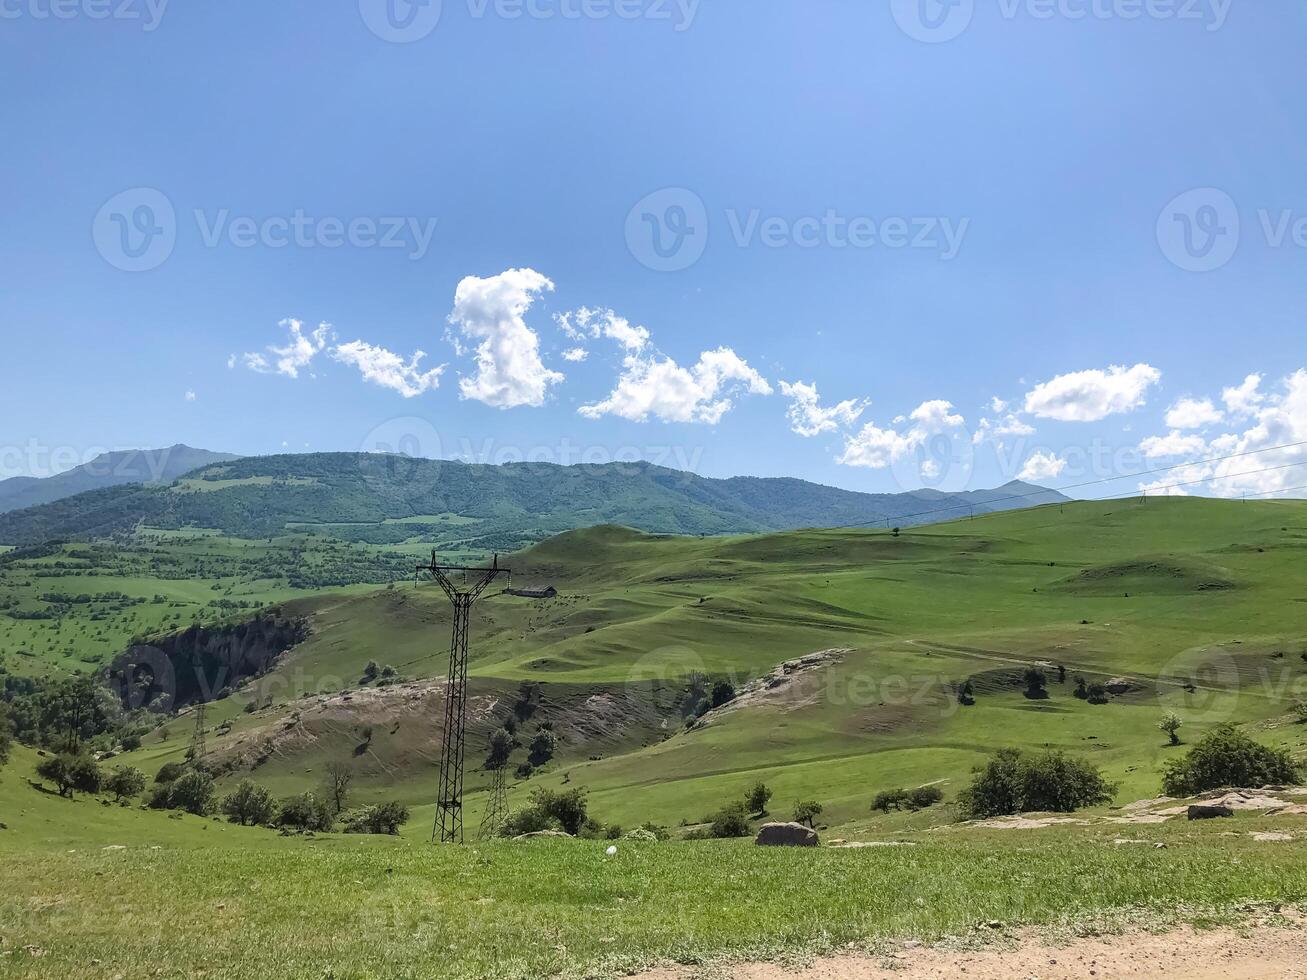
(1185, 954)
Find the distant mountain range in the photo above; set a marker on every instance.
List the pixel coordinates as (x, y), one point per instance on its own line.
(107, 470)
(389, 499)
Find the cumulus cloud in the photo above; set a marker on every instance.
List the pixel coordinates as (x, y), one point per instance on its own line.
(491, 314)
(576, 355)
(1010, 424)
(295, 356)
(1258, 468)
(1042, 466)
(190, 396)
(585, 323)
(1244, 400)
(809, 418)
(1089, 396)
(653, 385)
(1174, 443)
(875, 448)
(388, 369)
(1193, 413)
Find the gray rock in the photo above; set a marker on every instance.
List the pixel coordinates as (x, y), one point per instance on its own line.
(1118, 685)
(786, 835)
(1201, 811)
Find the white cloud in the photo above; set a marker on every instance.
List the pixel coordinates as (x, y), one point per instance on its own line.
(1258, 469)
(1244, 400)
(388, 369)
(190, 396)
(585, 323)
(875, 448)
(1193, 413)
(1174, 443)
(808, 417)
(298, 353)
(997, 405)
(655, 385)
(490, 312)
(1042, 466)
(576, 355)
(231, 362)
(1089, 396)
(1011, 424)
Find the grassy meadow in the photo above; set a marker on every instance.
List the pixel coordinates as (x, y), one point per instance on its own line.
(1201, 606)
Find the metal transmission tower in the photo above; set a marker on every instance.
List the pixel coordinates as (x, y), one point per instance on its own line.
(449, 801)
(497, 805)
(197, 737)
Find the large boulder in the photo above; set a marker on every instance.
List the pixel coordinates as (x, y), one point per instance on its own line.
(1119, 685)
(1204, 811)
(786, 835)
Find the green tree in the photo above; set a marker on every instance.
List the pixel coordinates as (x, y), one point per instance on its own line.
(1036, 683)
(58, 769)
(1014, 781)
(192, 792)
(543, 746)
(757, 798)
(336, 784)
(249, 804)
(502, 744)
(125, 783)
(1170, 724)
(807, 812)
(385, 818)
(1227, 757)
(305, 812)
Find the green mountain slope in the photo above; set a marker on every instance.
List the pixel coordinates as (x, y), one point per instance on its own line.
(389, 499)
(910, 618)
(158, 466)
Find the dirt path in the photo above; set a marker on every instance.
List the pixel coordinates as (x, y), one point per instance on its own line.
(1254, 953)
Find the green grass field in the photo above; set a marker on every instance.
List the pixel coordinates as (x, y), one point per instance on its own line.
(1201, 605)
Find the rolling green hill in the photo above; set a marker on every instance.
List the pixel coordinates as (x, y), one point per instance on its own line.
(157, 466)
(381, 500)
(1199, 606)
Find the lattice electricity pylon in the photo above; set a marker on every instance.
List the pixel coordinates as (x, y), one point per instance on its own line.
(197, 737)
(449, 800)
(492, 821)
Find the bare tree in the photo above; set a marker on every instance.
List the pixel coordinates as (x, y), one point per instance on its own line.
(339, 777)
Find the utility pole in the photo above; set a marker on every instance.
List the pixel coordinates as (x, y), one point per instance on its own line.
(449, 799)
(197, 737)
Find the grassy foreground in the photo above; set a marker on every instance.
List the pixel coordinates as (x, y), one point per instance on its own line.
(93, 891)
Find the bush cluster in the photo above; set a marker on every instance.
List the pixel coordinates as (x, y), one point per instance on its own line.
(907, 799)
(1228, 757)
(1015, 781)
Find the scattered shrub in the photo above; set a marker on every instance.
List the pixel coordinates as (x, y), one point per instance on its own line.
(723, 692)
(907, 799)
(1227, 757)
(1015, 781)
(385, 818)
(1170, 724)
(731, 821)
(305, 812)
(563, 810)
(249, 805)
(169, 772)
(1097, 694)
(131, 743)
(640, 835)
(1036, 682)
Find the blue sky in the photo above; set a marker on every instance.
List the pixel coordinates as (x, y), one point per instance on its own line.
(912, 208)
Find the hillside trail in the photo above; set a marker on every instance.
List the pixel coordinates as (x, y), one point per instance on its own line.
(1216, 954)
